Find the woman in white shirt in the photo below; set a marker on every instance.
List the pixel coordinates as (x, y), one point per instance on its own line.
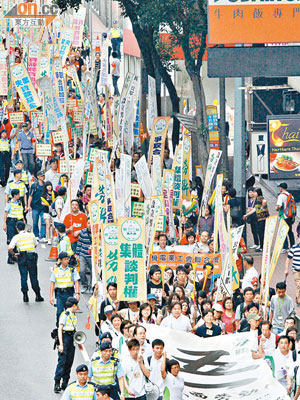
(176, 320)
(174, 384)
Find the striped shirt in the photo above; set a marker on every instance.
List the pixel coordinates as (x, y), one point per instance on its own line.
(294, 253)
(84, 243)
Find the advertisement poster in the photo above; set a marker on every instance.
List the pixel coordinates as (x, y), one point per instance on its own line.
(284, 147)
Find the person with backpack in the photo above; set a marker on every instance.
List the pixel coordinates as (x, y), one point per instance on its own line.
(286, 207)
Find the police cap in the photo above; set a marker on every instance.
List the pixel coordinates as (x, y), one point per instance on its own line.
(19, 162)
(105, 346)
(72, 300)
(82, 368)
(63, 254)
(106, 335)
(17, 171)
(14, 192)
(20, 225)
(103, 389)
(61, 227)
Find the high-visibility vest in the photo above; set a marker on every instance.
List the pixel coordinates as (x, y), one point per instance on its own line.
(69, 247)
(25, 177)
(63, 277)
(115, 33)
(4, 145)
(25, 241)
(78, 392)
(16, 210)
(71, 321)
(17, 185)
(104, 374)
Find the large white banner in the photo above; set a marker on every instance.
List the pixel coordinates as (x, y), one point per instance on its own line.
(143, 177)
(219, 368)
(152, 104)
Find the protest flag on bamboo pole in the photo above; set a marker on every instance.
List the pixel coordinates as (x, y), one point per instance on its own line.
(109, 239)
(281, 236)
(131, 272)
(213, 160)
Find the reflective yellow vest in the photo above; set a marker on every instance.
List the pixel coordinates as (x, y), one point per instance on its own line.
(16, 210)
(25, 241)
(69, 247)
(78, 392)
(4, 145)
(25, 177)
(104, 374)
(63, 277)
(71, 321)
(115, 33)
(17, 185)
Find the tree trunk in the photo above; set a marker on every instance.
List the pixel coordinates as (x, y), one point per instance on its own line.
(199, 141)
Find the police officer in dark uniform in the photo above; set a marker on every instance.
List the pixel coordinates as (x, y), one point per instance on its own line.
(26, 242)
(81, 388)
(66, 349)
(63, 279)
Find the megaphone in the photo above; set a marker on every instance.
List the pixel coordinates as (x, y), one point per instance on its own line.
(79, 337)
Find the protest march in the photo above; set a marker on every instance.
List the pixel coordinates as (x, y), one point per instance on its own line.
(160, 282)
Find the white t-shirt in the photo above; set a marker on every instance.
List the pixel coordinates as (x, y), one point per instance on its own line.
(53, 177)
(135, 376)
(282, 364)
(181, 323)
(133, 316)
(281, 200)
(249, 275)
(175, 385)
(155, 373)
(59, 204)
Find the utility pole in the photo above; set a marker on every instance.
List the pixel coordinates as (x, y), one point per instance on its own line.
(222, 135)
(239, 159)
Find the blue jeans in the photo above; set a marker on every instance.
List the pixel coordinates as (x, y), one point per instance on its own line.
(35, 219)
(276, 331)
(27, 264)
(115, 85)
(116, 45)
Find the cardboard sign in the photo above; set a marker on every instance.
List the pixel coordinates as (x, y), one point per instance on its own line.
(71, 103)
(136, 190)
(137, 209)
(77, 131)
(173, 259)
(16, 117)
(38, 115)
(88, 178)
(161, 224)
(58, 137)
(76, 116)
(43, 150)
(62, 166)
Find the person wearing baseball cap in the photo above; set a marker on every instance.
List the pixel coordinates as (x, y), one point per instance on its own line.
(80, 388)
(283, 200)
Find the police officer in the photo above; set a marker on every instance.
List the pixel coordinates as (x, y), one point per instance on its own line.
(17, 183)
(13, 213)
(5, 158)
(63, 279)
(26, 175)
(66, 349)
(27, 260)
(105, 370)
(81, 388)
(107, 337)
(64, 243)
(116, 37)
(103, 392)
